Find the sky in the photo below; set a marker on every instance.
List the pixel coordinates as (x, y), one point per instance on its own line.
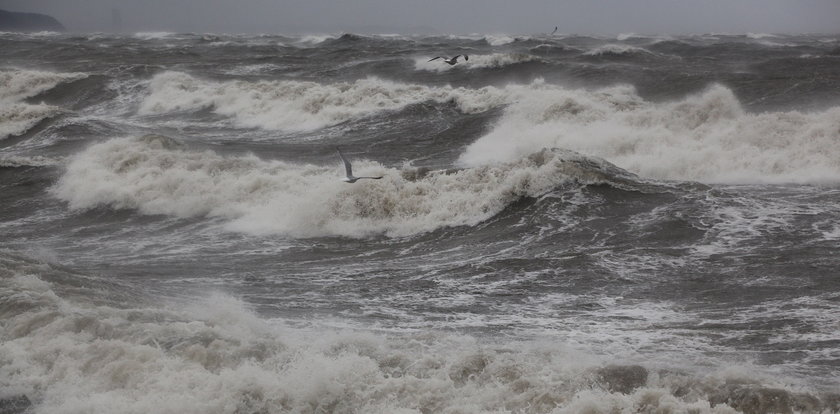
(444, 16)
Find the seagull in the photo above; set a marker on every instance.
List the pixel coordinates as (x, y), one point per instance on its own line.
(450, 61)
(350, 178)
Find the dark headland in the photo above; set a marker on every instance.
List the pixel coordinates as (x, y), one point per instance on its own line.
(28, 22)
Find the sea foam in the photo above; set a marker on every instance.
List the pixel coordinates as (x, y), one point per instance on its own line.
(301, 106)
(706, 137)
(214, 355)
(617, 50)
(153, 35)
(493, 60)
(17, 117)
(156, 176)
(498, 39)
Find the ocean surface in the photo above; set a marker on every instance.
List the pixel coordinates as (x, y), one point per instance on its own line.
(566, 224)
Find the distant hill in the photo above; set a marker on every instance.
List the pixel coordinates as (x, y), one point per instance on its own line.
(28, 22)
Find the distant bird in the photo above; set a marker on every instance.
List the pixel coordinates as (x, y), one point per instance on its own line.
(349, 170)
(453, 60)
(555, 30)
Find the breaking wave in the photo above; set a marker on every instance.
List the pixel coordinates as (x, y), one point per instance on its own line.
(255, 69)
(22, 84)
(617, 50)
(17, 117)
(154, 35)
(760, 35)
(14, 161)
(155, 175)
(625, 36)
(301, 106)
(494, 60)
(499, 39)
(214, 355)
(706, 137)
(316, 38)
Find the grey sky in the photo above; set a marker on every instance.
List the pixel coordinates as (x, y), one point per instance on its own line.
(445, 16)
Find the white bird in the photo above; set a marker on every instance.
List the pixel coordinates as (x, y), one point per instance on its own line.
(349, 170)
(453, 60)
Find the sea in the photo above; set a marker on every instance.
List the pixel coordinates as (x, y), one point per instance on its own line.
(564, 223)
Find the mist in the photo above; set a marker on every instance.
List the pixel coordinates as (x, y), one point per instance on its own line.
(438, 16)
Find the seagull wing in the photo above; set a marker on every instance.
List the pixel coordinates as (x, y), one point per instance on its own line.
(455, 58)
(555, 30)
(434, 58)
(347, 166)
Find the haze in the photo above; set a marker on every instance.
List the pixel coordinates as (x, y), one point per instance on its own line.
(449, 16)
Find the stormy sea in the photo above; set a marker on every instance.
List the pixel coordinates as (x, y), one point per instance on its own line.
(565, 224)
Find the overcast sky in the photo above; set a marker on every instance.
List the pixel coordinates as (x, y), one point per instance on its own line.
(444, 16)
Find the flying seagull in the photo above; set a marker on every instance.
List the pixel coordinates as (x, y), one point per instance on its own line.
(350, 178)
(453, 60)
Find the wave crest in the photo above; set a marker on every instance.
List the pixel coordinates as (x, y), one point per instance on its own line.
(153, 35)
(705, 137)
(494, 60)
(213, 354)
(315, 39)
(14, 161)
(617, 50)
(22, 84)
(17, 117)
(301, 106)
(156, 176)
(499, 39)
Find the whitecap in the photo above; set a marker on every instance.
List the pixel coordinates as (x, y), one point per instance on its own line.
(17, 117)
(153, 35)
(616, 49)
(494, 60)
(706, 137)
(154, 175)
(301, 106)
